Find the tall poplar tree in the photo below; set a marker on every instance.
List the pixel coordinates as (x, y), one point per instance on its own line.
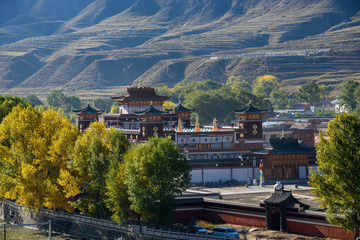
(93, 154)
(336, 184)
(155, 173)
(34, 151)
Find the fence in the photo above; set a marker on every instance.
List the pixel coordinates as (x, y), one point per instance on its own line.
(136, 229)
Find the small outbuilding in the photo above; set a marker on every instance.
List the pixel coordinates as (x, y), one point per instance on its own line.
(277, 206)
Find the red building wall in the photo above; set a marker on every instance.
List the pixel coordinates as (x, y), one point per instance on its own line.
(220, 211)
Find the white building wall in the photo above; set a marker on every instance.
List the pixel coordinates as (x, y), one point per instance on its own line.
(302, 172)
(242, 174)
(196, 176)
(214, 175)
(224, 174)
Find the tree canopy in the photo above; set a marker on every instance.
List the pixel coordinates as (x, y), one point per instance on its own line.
(239, 83)
(309, 93)
(7, 103)
(89, 166)
(336, 184)
(265, 85)
(350, 95)
(33, 99)
(212, 99)
(155, 173)
(58, 99)
(34, 150)
(220, 103)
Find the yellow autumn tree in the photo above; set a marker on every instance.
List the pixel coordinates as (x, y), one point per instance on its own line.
(266, 84)
(168, 105)
(93, 154)
(34, 151)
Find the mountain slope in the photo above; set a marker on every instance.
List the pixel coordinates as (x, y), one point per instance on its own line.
(82, 45)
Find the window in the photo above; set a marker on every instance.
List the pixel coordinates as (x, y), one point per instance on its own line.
(228, 145)
(215, 145)
(204, 146)
(193, 146)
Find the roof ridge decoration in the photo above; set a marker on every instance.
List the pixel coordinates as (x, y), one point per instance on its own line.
(87, 109)
(250, 109)
(151, 111)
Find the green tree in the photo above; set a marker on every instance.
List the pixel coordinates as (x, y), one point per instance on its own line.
(238, 83)
(7, 103)
(33, 99)
(179, 92)
(56, 99)
(324, 91)
(89, 167)
(279, 98)
(309, 93)
(99, 103)
(155, 173)
(347, 95)
(117, 198)
(72, 102)
(115, 108)
(357, 99)
(163, 91)
(220, 103)
(336, 184)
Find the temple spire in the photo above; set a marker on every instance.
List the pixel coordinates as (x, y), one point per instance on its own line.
(180, 126)
(215, 127)
(197, 124)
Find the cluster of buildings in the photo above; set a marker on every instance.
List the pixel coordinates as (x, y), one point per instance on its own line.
(216, 153)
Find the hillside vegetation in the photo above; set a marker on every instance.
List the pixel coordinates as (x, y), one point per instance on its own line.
(98, 47)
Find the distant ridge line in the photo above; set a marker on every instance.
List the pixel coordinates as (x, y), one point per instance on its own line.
(288, 53)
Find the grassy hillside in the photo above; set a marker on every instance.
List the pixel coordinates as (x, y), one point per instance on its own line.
(94, 47)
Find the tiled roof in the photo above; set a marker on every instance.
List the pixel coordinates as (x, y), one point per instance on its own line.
(87, 109)
(151, 111)
(284, 198)
(141, 93)
(181, 108)
(287, 146)
(250, 109)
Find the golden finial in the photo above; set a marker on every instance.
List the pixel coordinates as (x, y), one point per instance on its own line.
(197, 124)
(180, 126)
(151, 103)
(283, 133)
(140, 83)
(250, 101)
(215, 127)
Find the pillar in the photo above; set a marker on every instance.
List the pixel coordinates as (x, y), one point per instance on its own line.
(268, 216)
(283, 218)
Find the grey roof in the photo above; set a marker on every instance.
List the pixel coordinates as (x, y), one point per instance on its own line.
(250, 109)
(284, 198)
(151, 111)
(87, 109)
(286, 146)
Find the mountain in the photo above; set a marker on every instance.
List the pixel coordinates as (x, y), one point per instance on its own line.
(98, 47)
